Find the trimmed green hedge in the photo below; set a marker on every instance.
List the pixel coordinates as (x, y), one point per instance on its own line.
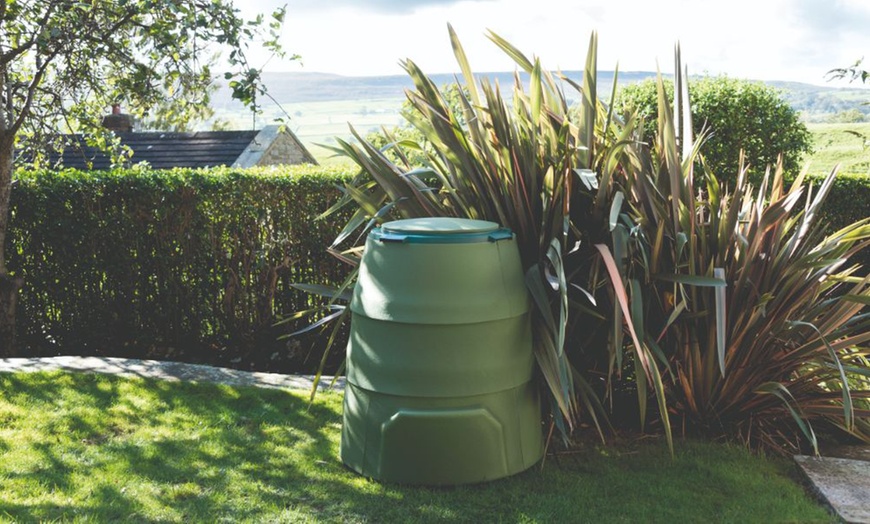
(184, 264)
(195, 265)
(849, 200)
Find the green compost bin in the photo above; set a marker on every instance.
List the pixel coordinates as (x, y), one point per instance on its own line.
(439, 362)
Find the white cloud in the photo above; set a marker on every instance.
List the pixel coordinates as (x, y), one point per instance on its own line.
(384, 6)
(763, 39)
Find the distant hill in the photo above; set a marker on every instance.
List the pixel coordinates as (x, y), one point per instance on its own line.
(320, 106)
(324, 87)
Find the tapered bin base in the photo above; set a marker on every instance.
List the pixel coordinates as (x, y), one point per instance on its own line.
(437, 441)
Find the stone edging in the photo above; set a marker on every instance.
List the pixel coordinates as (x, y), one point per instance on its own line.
(167, 371)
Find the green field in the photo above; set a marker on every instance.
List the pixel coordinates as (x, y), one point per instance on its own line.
(846, 144)
(319, 107)
(318, 123)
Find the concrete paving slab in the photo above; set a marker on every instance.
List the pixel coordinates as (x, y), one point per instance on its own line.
(843, 483)
(166, 371)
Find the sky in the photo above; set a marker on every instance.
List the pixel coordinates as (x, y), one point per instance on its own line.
(791, 40)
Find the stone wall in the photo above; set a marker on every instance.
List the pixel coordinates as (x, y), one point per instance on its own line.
(285, 150)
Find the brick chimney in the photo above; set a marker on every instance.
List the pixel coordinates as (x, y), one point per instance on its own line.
(117, 121)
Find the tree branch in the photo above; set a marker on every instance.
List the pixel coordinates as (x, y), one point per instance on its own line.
(31, 91)
(6, 93)
(6, 58)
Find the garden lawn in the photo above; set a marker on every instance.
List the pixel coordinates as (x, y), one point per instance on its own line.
(97, 448)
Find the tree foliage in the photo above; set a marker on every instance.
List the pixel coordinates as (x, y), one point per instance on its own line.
(853, 73)
(63, 62)
(736, 115)
(850, 116)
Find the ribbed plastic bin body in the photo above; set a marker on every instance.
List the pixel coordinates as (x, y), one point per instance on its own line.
(439, 364)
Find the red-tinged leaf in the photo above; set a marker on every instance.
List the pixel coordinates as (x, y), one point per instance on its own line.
(622, 299)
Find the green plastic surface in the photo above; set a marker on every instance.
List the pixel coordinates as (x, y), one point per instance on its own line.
(439, 231)
(440, 283)
(441, 441)
(440, 362)
(430, 360)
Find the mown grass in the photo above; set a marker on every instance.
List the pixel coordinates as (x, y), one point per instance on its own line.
(90, 448)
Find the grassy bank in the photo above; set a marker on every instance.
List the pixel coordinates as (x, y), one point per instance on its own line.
(88, 448)
(846, 144)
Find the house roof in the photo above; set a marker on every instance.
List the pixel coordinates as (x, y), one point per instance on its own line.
(164, 150)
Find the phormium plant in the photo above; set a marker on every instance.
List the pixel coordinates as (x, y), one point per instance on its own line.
(723, 306)
(757, 313)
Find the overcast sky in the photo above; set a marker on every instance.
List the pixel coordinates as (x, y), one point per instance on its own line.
(796, 40)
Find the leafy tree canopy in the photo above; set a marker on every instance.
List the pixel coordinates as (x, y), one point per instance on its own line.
(736, 115)
(63, 62)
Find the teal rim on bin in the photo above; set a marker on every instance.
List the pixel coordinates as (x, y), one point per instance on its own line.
(440, 230)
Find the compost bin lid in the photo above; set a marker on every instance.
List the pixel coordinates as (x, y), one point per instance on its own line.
(439, 226)
(440, 230)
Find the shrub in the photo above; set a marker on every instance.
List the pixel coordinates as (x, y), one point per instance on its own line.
(514, 163)
(738, 115)
(755, 312)
(631, 263)
(849, 116)
(849, 200)
(183, 264)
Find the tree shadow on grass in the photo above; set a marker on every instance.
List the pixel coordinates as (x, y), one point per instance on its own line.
(104, 448)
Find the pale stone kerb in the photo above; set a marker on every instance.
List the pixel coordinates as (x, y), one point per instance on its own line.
(172, 371)
(273, 147)
(844, 484)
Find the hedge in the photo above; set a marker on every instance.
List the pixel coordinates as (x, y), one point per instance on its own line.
(189, 265)
(848, 202)
(196, 265)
